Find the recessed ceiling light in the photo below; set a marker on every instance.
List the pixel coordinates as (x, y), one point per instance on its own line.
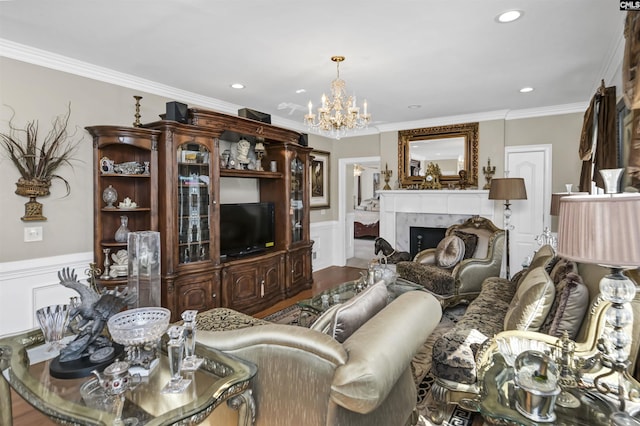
(526, 90)
(237, 86)
(301, 91)
(509, 16)
(414, 106)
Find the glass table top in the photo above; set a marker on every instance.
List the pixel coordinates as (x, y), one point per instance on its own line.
(220, 377)
(497, 401)
(345, 291)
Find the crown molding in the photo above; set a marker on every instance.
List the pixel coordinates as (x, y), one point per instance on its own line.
(57, 62)
(50, 60)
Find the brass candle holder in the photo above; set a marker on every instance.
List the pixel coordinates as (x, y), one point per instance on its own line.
(488, 173)
(137, 123)
(387, 176)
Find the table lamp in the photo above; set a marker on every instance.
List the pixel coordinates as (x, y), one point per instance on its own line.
(507, 189)
(605, 230)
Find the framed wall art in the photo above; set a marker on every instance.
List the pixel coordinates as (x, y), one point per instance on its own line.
(319, 179)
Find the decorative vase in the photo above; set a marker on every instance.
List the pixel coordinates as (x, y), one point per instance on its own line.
(110, 196)
(33, 188)
(123, 230)
(611, 178)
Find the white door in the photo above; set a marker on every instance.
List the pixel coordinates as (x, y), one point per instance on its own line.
(530, 216)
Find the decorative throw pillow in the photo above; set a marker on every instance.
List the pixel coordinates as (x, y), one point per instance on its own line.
(532, 302)
(561, 269)
(542, 256)
(358, 310)
(449, 252)
(324, 322)
(569, 307)
(470, 242)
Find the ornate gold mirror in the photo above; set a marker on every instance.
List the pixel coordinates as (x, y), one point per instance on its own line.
(453, 148)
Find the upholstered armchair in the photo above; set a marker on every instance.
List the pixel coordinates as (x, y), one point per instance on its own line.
(454, 271)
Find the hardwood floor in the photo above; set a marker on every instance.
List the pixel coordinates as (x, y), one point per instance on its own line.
(25, 415)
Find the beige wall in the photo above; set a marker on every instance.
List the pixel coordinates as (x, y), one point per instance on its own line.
(39, 93)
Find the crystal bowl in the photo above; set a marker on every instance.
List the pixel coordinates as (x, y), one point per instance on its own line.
(139, 326)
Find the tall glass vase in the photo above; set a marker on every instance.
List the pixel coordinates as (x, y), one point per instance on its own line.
(144, 267)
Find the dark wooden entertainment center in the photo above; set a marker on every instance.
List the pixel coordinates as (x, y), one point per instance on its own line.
(180, 198)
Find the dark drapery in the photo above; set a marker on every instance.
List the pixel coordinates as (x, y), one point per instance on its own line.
(631, 89)
(601, 118)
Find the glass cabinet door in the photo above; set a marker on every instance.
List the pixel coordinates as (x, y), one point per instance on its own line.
(296, 209)
(194, 188)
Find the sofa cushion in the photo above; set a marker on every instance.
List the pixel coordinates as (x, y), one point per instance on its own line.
(561, 268)
(453, 354)
(431, 277)
(470, 242)
(450, 251)
(569, 307)
(358, 310)
(532, 302)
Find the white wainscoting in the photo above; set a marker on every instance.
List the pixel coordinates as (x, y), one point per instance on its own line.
(28, 285)
(325, 236)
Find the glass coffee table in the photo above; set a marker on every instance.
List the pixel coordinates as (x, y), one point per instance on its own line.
(315, 306)
(25, 368)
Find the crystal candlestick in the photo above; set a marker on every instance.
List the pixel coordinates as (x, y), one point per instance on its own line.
(191, 361)
(175, 350)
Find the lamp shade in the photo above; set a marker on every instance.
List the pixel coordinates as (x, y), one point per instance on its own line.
(602, 229)
(555, 200)
(507, 189)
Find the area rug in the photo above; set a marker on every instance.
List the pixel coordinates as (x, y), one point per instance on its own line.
(421, 363)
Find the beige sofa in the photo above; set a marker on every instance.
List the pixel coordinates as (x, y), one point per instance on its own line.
(461, 353)
(306, 377)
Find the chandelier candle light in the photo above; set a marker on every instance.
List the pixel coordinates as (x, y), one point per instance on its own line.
(338, 114)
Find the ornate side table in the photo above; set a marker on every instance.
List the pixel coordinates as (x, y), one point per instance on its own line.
(221, 378)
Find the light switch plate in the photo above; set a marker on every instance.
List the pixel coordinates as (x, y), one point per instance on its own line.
(32, 233)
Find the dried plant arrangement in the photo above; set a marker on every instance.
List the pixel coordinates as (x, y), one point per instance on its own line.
(38, 163)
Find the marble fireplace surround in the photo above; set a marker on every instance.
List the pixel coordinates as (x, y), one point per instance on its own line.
(401, 209)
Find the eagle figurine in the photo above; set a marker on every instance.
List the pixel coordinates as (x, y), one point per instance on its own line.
(94, 311)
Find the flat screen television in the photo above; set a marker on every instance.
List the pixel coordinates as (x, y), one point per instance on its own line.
(246, 228)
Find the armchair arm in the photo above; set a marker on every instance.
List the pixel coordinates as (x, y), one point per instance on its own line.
(427, 256)
(470, 273)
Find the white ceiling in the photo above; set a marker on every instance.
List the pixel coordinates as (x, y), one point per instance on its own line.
(450, 57)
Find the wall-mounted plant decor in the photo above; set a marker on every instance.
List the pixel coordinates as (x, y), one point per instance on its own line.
(36, 162)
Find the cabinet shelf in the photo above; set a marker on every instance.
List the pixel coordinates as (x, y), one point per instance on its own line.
(118, 209)
(250, 174)
(122, 175)
(112, 243)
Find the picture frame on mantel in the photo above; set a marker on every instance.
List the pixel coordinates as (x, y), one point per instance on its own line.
(319, 172)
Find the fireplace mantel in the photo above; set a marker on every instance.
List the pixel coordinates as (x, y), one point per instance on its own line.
(434, 202)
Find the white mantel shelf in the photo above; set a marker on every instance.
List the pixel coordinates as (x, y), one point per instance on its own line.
(439, 202)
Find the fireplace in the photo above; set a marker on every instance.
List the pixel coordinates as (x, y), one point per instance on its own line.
(421, 238)
(402, 209)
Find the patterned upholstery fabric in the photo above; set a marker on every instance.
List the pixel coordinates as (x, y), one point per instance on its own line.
(222, 319)
(431, 277)
(454, 353)
(470, 242)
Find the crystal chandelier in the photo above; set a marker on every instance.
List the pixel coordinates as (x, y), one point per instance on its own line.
(338, 114)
